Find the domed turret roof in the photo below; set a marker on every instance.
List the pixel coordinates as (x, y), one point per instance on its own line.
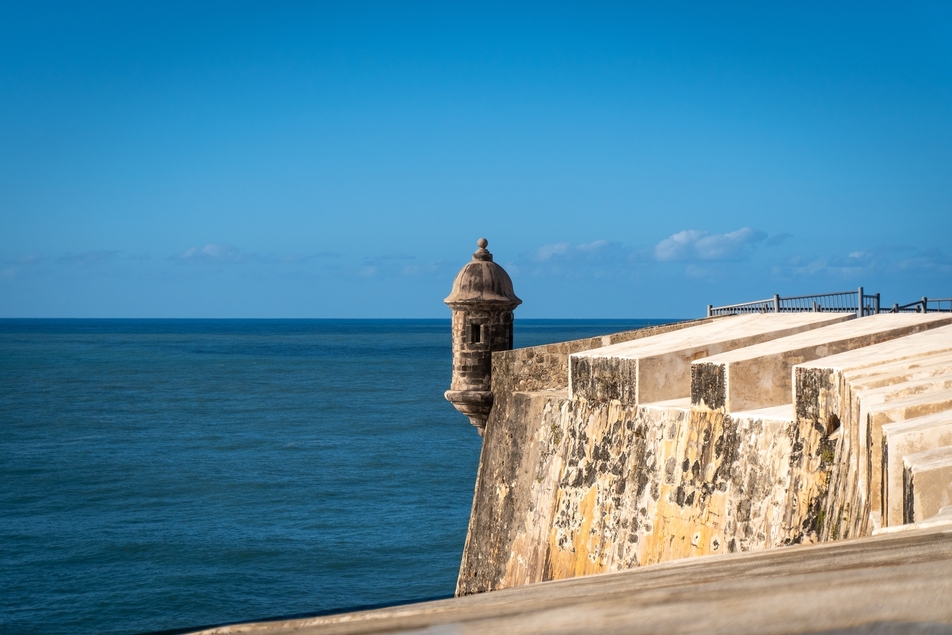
(482, 281)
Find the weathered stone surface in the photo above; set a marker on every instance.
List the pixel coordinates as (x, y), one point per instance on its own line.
(898, 410)
(659, 368)
(824, 395)
(874, 385)
(613, 487)
(924, 366)
(900, 440)
(759, 376)
(546, 367)
(528, 531)
(853, 415)
(482, 282)
(502, 499)
(927, 483)
(482, 301)
(882, 585)
(573, 485)
(872, 391)
(520, 443)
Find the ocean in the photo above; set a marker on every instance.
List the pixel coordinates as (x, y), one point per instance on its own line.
(167, 474)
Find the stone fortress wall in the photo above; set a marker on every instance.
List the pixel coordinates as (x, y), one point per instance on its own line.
(727, 434)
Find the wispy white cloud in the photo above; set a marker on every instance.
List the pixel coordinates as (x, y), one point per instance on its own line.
(694, 244)
(598, 259)
(569, 252)
(213, 253)
(777, 239)
(295, 259)
(400, 264)
(317, 263)
(931, 260)
(9, 272)
(545, 252)
(866, 262)
(680, 246)
(593, 246)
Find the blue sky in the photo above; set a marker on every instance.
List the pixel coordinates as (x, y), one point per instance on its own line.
(340, 160)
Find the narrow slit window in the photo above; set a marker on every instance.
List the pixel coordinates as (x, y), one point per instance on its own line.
(474, 333)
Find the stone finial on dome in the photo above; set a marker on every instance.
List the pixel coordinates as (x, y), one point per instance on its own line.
(482, 253)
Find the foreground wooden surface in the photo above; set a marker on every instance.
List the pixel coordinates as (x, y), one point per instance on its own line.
(891, 583)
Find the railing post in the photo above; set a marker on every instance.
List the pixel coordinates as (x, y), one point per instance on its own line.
(859, 308)
(776, 303)
(877, 303)
(925, 304)
(709, 307)
(895, 308)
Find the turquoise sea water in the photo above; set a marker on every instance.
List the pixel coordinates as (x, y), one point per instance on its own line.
(162, 474)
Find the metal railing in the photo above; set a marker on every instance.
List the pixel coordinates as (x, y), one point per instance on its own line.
(940, 305)
(856, 302)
